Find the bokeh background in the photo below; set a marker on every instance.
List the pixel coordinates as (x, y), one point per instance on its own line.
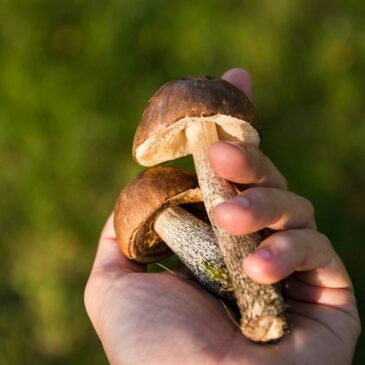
(75, 76)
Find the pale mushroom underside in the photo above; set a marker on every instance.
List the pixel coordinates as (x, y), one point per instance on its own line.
(171, 143)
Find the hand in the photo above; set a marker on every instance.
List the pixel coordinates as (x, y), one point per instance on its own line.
(166, 318)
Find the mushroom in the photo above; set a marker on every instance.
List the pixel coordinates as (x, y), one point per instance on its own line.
(184, 117)
(149, 222)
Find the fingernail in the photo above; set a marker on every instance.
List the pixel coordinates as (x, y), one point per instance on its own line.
(237, 144)
(242, 201)
(263, 254)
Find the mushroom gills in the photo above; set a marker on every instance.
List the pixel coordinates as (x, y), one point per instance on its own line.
(170, 143)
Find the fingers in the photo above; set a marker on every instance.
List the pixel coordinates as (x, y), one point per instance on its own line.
(296, 289)
(239, 78)
(109, 257)
(258, 208)
(244, 164)
(303, 250)
(320, 276)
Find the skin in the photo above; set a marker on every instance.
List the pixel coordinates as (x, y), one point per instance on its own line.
(165, 318)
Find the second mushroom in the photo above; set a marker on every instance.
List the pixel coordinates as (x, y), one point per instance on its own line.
(152, 216)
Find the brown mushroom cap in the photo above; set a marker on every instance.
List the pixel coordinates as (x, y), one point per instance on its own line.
(139, 203)
(160, 135)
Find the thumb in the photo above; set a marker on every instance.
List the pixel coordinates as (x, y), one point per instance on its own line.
(241, 79)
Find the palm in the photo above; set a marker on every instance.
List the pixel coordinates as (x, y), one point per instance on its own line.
(143, 315)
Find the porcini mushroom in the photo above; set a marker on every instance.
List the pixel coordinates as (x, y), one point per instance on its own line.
(149, 221)
(184, 117)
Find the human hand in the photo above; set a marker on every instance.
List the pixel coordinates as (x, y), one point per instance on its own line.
(167, 318)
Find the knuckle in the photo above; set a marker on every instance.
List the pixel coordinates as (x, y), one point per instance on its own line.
(325, 240)
(285, 240)
(254, 161)
(283, 183)
(282, 239)
(256, 195)
(308, 206)
(357, 329)
(324, 250)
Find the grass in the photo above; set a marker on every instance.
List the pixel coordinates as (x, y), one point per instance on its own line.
(75, 77)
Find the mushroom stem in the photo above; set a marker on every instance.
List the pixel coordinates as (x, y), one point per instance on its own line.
(260, 305)
(194, 243)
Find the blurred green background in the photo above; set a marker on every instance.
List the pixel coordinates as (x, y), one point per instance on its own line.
(75, 76)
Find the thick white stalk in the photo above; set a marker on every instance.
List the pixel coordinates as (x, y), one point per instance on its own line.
(260, 305)
(194, 243)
